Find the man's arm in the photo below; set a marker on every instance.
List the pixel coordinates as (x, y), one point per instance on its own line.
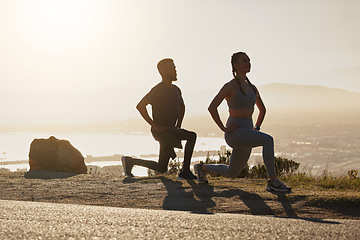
(141, 107)
(181, 114)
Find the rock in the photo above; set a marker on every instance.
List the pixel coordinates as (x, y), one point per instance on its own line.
(53, 154)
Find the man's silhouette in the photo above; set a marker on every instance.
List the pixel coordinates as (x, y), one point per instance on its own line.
(168, 111)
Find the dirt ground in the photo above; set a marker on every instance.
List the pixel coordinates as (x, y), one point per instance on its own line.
(243, 196)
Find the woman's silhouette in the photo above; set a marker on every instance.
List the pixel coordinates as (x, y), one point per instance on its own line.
(240, 133)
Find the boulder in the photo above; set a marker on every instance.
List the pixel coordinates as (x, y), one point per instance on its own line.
(53, 154)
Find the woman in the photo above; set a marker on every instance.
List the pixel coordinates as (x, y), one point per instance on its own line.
(240, 134)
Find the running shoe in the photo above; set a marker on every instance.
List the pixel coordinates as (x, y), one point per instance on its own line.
(277, 186)
(201, 175)
(186, 175)
(127, 166)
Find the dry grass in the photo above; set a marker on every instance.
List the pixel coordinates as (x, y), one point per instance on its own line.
(245, 196)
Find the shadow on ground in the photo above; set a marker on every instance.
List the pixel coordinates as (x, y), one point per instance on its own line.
(181, 198)
(349, 207)
(197, 198)
(200, 198)
(291, 213)
(40, 174)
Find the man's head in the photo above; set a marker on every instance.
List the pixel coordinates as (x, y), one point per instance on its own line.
(167, 69)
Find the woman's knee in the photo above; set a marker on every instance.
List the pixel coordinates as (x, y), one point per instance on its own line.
(269, 140)
(233, 174)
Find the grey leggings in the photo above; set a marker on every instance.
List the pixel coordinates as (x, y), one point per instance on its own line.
(242, 140)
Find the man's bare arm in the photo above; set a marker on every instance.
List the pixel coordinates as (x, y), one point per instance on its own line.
(141, 107)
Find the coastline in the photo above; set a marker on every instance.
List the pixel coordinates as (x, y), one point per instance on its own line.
(116, 158)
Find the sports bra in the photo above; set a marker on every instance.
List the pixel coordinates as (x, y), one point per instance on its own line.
(240, 100)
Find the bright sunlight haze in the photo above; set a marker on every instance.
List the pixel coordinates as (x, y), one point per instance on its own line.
(84, 61)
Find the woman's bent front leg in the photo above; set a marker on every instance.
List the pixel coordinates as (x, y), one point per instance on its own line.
(248, 138)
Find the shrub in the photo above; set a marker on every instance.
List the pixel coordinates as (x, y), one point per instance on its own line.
(4, 169)
(174, 168)
(353, 174)
(224, 158)
(258, 171)
(343, 183)
(304, 180)
(283, 166)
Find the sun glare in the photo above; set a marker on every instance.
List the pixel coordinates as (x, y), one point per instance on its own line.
(59, 18)
(58, 23)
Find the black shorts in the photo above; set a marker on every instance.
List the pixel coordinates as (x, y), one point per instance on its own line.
(171, 137)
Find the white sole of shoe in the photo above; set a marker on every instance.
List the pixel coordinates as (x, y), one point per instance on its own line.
(183, 179)
(197, 172)
(272, 189)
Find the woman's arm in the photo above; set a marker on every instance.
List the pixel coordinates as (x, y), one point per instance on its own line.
(213, 107)
(262, 110)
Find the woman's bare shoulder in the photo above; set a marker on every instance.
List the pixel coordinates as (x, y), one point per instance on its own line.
(228, 90)
(229, 85)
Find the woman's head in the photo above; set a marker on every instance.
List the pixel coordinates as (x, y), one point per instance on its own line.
(240, 63)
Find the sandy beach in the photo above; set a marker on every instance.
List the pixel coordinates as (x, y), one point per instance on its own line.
(243, 196)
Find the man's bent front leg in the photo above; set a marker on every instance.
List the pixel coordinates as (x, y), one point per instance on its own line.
(190, 138)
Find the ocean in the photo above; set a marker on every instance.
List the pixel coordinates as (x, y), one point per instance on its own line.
(317, 154)
(15, 146)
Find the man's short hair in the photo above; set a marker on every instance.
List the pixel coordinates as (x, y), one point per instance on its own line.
(163, 64)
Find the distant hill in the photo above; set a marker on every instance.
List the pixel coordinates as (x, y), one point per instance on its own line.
(108, 110)
(305, 103)
(344, 78)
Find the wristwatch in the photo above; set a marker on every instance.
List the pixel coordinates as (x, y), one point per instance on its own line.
(257, 128)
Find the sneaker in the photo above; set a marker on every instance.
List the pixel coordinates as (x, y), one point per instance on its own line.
(201, 175)
(186, 175)
(127, 166)
(277, 186)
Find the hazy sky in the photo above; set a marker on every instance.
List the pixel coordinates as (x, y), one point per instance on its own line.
(69, 49)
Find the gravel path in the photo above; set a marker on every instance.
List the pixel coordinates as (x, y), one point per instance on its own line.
(34, 220)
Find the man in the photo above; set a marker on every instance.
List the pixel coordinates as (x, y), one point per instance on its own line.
(168, 111)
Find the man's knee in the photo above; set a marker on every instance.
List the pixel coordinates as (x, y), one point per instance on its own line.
(191, 136)
(163, 169)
